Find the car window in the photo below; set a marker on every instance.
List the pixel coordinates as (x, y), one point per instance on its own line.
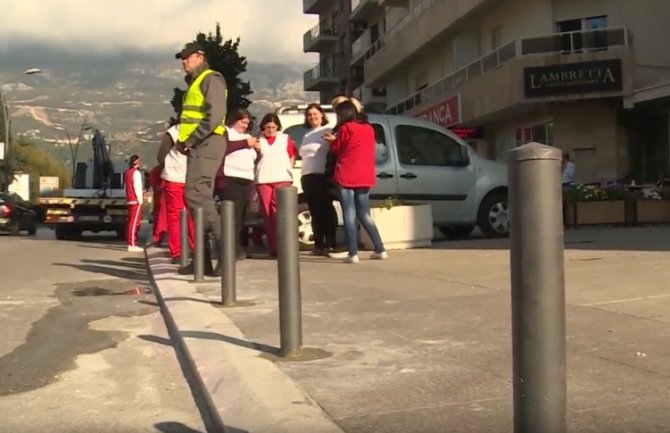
(296, 132)
(427, 147)
(381, 151)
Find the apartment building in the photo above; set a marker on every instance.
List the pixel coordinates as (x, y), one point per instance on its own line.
(331, 38)
(589, 76)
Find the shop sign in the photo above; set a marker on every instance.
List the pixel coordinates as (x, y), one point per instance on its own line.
(571, 78)
(447, 113)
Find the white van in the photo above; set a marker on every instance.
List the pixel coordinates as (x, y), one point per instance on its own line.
(419, 161)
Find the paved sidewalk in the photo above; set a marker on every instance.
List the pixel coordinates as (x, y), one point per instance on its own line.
(422, 343)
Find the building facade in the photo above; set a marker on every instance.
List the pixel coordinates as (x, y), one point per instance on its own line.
(589, 76)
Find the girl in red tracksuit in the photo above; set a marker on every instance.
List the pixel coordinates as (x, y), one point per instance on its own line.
(134, 198)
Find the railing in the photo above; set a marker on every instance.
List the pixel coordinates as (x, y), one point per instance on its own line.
(318, 30)
(418, 8)
(320, 70)
(566, 43)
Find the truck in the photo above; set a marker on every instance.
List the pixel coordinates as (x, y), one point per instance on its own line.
(96, 202)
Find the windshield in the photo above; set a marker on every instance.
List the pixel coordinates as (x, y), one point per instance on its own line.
(296, 132)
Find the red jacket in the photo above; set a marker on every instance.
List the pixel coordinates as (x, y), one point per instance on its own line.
(155, 178)
(355, 150)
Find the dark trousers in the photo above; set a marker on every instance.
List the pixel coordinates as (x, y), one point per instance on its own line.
(238, 191)
(320, 202)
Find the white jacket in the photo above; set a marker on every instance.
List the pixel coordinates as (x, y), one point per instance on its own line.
(174, 169)
(274, 165)
(240, 163)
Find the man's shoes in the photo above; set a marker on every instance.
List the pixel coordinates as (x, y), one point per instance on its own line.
(190, 269)
(215, 272)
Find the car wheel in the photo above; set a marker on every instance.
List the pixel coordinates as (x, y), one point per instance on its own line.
(32, 228)
(493, 217)
(61, 232)
(305, 232)
(456, 232)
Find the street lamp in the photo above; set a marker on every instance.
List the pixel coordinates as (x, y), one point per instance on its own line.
(7, 129)
(74, 148)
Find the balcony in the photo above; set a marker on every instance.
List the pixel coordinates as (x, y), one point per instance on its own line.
(395, 3)
(320, 77)
(315, 39)
(359, 48)
(361, 9)
(317, 6)
(425, 21)
(369, 96)
(501, 71)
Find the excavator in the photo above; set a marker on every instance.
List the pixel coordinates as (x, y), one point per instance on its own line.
(96, 202)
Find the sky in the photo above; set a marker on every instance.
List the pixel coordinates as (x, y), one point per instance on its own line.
(270, 30)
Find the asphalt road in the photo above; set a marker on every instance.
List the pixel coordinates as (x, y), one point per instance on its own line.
(78, 352)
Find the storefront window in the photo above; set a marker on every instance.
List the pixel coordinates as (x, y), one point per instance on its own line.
(540, 133)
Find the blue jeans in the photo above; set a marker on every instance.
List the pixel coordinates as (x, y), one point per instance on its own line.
(356, 203)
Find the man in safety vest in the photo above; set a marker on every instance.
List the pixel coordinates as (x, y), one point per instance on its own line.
(201, 137)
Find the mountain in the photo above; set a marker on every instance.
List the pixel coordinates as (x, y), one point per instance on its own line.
(126, 96)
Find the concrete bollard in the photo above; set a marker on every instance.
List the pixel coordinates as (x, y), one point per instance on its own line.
(538, 289)
(288, 267)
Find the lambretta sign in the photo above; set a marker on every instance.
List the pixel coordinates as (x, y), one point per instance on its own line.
(571, 78)
(446, 113)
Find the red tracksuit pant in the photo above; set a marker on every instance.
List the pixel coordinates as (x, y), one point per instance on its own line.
(134, 221)
(174, 197)
(160, 215)
(268, 200)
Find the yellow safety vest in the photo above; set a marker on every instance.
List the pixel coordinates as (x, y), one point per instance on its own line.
(193, 109)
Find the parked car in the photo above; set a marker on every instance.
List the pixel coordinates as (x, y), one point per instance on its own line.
(419, 161)
(17, 215)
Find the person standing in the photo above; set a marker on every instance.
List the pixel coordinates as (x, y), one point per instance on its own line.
(201, 138)
(567, 170)
(132, 180)
(158, 209)
(354, 147)
(314, 151)
(173, 182)
(236, 173)
(273, 171)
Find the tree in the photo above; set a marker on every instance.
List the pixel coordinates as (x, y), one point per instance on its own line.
(26, 157)
(224, 58)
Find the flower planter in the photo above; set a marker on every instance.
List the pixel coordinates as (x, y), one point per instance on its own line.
(402, 227)
(595, 212)
(652, 211)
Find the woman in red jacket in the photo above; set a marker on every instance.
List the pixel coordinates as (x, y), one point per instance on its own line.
(354, 147)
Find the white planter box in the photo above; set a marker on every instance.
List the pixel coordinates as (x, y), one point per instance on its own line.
(402, 227)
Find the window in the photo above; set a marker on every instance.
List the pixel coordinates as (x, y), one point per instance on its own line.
(583, 33)
(381, 152)
(541, 133)
(427, 147)
(595, 36)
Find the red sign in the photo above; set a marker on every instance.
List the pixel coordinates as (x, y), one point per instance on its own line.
(446, 113)
(468, 133)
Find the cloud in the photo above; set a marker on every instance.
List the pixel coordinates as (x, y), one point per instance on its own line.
(270, 30)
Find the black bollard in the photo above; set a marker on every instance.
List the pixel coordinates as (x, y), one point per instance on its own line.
(199, 256)
(184, 246)
(227, 255)
(288, 266)
(538, 289)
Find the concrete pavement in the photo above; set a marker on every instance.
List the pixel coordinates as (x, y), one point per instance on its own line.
(422, 342)
(75, 357)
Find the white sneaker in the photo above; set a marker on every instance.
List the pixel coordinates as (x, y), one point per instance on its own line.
(351, 259)
(135, 249)
(379, 256)
(339, 255)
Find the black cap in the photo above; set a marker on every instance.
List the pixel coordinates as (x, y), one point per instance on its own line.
(190, 48)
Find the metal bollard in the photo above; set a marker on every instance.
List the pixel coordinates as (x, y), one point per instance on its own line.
(538, 289)
(184, 246)
(199, 254)
(227, 255)
(288, 266)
